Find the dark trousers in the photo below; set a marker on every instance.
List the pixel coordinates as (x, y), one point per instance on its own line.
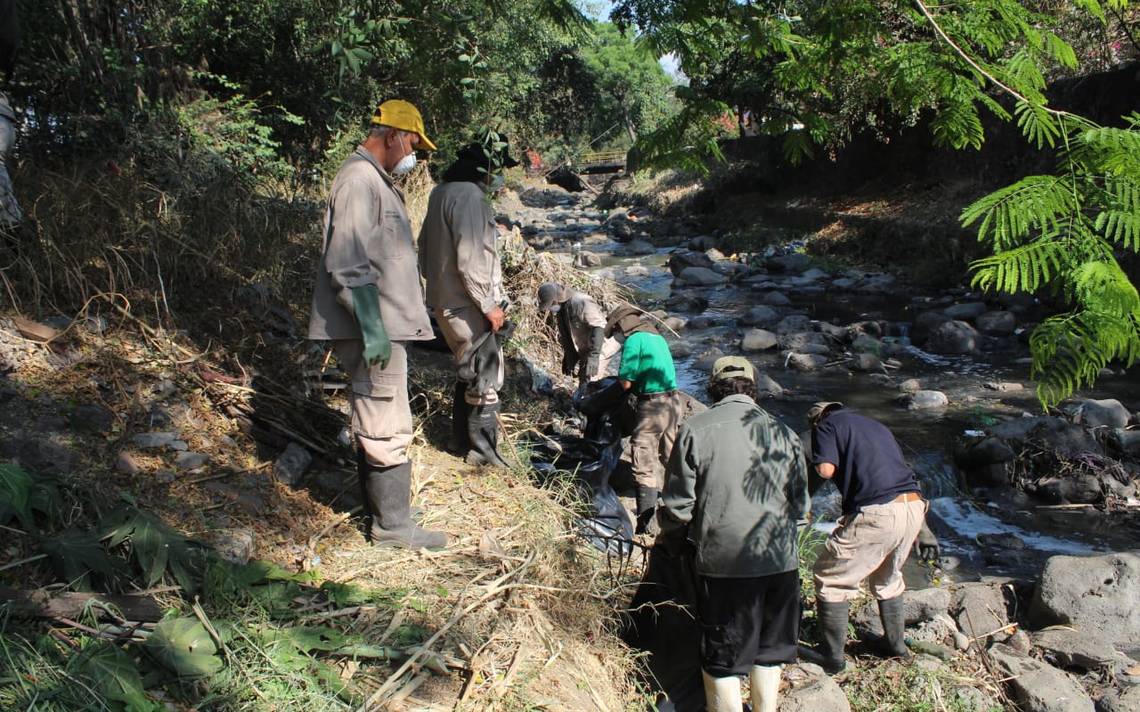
(748, 621)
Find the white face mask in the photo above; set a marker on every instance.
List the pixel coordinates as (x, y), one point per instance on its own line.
(406, 164)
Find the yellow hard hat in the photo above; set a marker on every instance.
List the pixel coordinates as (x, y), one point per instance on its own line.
(400, 114)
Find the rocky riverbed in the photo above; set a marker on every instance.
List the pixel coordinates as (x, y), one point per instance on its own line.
(1039, 515)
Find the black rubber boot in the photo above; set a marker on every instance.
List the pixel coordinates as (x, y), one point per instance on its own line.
(483, 432)
(388, 492)
(416, 513)
(832, 622)
(893, 643)
(460, 442)
(647, 511)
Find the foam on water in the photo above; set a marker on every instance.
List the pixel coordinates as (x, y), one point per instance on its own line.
(967, 521)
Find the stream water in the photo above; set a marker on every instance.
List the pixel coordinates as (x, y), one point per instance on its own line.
(974, 526)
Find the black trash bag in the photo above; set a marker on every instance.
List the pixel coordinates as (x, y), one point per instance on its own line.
(662, 621)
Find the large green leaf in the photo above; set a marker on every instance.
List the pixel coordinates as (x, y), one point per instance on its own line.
(113, 674)
(75, 553)
(305, 638)
(15, 491)
(154, 546)
(183, 646)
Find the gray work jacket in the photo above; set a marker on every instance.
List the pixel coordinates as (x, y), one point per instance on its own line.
(737, 480)
(367, 240)
(459, 250)
(584, 316)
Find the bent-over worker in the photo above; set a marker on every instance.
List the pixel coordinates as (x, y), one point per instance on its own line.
(581, 332)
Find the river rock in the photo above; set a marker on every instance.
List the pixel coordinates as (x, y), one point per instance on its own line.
(928, 320)
(687, 302)
(980, 611)
(1096, 594)
(682, 260)
(127, 463)
(987, 451)
(806, 362)
(794, 262)
(924, 400)
(800, 340)
(965, 311)
(910, 385)
(635, 248)
(953, 337)
(866, 363)
(233, 545)
(996, 323)
(589, 259)
(702, 277)
(793, 323)
(844, 283)
(812, 690)
(1099, 413)
(971, 699)
(1074, 649)
(758, 340)
(701, 243)
(775, 299)
(1040, 687)
(814, 275)
(925, 604)
(1126, 700)
(157, 440)
(865, 343)
(292, 464)
(767, 386)
(833, 331)
(759, 316)
(191, 460)
(675, 323)
(707, 358)
(702, 322)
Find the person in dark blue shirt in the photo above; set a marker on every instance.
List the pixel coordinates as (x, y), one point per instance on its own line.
(883, 512)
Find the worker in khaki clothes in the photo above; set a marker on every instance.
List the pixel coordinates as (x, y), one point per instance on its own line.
(368, 301)
(648, 372)
(883, 513)
(459, 257)
(581, 332)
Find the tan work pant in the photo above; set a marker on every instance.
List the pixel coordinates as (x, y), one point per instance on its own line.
(652, 439)
(873, 545)
(461, 329)
(381, 416)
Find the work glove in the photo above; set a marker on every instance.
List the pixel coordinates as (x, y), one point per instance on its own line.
(569, 361)
(366, 308)
(594, 355)
(926, 545)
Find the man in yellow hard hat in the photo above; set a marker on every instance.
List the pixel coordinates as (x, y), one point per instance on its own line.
(368, 301)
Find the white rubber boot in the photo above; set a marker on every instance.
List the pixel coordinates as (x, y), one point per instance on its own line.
(764, 681)
(722, 694)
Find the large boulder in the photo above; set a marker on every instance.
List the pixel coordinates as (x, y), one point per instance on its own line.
(812, 690)
(966, 310)
(759, 316)
(702, 277)
(1098, 595)
(1039, 687)
(758, 340)
(924, 400)
(795, 262)
(767, 386)
(687, 302)
(806, 362)
(680, 261)
(1108, 412)
(776, 299)
(997, 323)
(953, 337)
(793, 323)
(980, 611)
(635, 248)
(798, 341)
(1074, 649)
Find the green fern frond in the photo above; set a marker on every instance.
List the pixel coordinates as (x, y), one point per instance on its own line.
(1022, 269)
(1069, 351)
(1118, 149)
(958, 125)
(1121, 227)
(1102, 286)
(1038, 125)
(1060, 50)
(1009, 214)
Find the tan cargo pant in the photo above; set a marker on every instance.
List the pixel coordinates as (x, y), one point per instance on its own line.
(873, 545)
(381, 415)
(461, 328)
(654, 432)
